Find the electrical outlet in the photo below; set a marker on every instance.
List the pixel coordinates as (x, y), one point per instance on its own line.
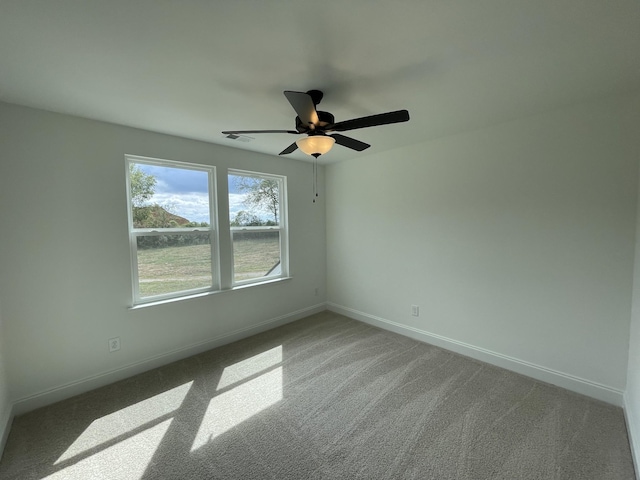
(114, 344)
(415, 310)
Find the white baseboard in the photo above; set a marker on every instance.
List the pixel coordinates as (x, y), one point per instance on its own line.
(632, 417)
(554, 377)
(68, 390)
(5, 426)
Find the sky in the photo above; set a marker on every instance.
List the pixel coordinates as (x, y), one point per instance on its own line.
(184, 192)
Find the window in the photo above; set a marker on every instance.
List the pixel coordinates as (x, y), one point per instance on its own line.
(257, 219)
(171, 228)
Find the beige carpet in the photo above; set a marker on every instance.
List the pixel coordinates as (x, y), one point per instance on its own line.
(323, 398)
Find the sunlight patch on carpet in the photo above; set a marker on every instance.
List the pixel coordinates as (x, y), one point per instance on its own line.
(119, 424)
(237, 405)
(127, 459)
(249, 367)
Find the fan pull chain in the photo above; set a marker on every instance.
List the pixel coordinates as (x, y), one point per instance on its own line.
(315, 175)
(315, 179)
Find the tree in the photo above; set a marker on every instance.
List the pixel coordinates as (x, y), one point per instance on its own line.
(261, 194)
(143, 186)
(246, 219)
(196, 224)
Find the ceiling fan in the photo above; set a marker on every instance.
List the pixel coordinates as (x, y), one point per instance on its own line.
(316, 125)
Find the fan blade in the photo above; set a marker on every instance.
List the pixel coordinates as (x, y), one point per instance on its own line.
(291, 148)
(349, 142)
(371, 121)
(302, 103)
(237, 132)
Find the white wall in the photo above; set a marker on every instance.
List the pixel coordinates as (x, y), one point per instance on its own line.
(516, 241)
(65, 277)
(632, 394)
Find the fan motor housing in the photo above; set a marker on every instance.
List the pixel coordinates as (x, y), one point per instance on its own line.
(324, 119)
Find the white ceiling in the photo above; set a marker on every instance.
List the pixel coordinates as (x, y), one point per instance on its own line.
(194, 68)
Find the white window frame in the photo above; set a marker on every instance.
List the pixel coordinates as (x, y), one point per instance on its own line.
(282, 227)
(212, 230)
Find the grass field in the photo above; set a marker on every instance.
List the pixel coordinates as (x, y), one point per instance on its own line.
(170, 269)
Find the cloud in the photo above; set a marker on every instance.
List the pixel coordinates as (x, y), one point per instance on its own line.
(192, 206)
(236, 203)
(177, 180)
(185, 193)
(195, 206)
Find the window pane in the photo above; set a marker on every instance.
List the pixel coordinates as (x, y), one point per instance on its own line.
(172, 263)
(256, 255)
(253, 201)
(168, 197)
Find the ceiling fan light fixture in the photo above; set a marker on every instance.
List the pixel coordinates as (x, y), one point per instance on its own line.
(315, 144)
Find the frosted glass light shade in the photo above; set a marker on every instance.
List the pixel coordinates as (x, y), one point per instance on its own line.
(315, 144)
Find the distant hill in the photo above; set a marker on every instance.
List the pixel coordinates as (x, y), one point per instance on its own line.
(159, 217)
(154, 216)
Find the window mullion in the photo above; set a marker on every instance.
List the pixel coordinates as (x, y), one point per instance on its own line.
(224, 237)
(215, 228)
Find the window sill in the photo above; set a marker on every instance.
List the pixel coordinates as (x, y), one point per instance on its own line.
(209, 293)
